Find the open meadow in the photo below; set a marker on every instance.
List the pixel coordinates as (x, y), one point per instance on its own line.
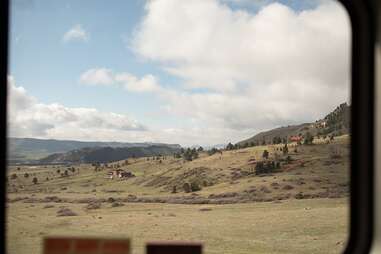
(302, 207)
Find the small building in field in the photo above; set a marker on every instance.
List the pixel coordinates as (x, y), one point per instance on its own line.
(296, 138)
(120, 173)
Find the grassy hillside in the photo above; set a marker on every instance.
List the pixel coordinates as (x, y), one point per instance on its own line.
(303, 207)
(313, 170)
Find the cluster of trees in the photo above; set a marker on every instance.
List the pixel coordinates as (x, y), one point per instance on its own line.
(337, 120)
(213, 151)
(158, 157)
(188, 154)
(285, 149)
(278, 140)
(265, 154)
(308, 139)
(340, 116)
(230, 146)
(264, 167)
(191, 187)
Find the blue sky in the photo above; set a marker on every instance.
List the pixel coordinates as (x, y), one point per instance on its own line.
(170, 72)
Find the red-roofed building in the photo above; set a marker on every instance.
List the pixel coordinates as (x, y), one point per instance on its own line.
(296, 138)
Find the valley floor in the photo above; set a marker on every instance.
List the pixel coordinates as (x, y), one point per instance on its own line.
(317, 225)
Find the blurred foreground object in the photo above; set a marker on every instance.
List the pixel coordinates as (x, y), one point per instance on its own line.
(175, 247)
(72, 245)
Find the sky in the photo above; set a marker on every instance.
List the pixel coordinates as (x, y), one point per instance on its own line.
(200, 72)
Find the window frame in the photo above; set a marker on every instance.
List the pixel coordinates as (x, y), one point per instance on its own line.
(362, 17)
(362, 125)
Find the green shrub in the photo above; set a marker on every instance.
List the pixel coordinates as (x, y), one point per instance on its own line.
(195, 186)
(308, 139)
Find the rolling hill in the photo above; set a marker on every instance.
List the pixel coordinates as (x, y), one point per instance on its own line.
(108, 154)
(335, 123)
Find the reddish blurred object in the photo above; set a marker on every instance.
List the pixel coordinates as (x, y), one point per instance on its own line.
(73, 245)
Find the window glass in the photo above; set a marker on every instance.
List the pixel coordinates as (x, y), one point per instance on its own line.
(224, 122)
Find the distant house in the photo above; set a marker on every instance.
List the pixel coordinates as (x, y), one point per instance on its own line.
(321, 125)
(120, 173)
(296, 138)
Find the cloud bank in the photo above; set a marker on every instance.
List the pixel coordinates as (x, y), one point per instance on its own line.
(240, 73)
(262, 70)
(27, 117)
(104, 76)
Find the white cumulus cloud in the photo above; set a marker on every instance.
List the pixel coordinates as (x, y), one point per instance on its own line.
(130, 82)
(258, 70)
(97, 76)
(76, 33)
(27, 117)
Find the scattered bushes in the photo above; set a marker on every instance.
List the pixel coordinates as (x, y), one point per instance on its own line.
(35, 180)
(190, 154)
(191, 187)
(264, 167)
(285, 149)
(308, 139)
(116, 204)
(93, 206)
(265, 189)
(274, 184)
(288, 187)
(64, 211)
(205, 209)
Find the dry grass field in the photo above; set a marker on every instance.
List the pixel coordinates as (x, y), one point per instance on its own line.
(302, 208)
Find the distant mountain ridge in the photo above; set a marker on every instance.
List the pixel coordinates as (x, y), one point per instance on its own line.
(335, 123)
(108, 154)
(29, 149)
